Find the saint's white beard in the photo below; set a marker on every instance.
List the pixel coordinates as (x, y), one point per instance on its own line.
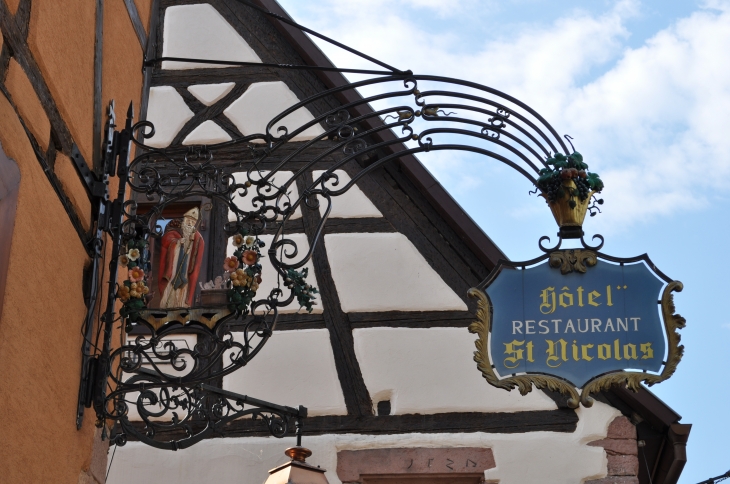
(187, 231)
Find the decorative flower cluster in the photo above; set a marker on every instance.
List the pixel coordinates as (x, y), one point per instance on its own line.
(245, 272)
(304, 292)
(565, 168)
(133, 290)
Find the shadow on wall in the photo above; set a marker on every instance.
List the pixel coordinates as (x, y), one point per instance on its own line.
(9, 185)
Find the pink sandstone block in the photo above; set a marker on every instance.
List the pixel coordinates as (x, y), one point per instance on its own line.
(623, 465)
(352, 464)
(615, 480)
(621, 428)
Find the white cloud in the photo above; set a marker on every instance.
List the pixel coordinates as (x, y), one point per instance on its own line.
(654, 124)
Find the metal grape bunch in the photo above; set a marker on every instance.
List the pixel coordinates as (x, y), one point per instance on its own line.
(561, 169)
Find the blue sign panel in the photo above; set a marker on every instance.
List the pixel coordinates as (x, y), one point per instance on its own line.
(576, 326)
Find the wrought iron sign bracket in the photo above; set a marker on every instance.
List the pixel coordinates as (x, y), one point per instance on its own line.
(176, 406)
(97, 187)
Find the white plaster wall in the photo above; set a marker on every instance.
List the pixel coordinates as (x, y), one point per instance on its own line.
(293, 368)
(210, 94)
(431, 370)
(385, 272)
(168, 112)
(206, 133)
(269, 275)
(261, 102)
(246, 203)
(351, 204)
(200, 32)
(529, 458)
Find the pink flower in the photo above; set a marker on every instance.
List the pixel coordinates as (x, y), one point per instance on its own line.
(250, 257)
(230, 264)
(136, 274)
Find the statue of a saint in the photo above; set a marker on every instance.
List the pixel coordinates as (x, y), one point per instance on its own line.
(180, 257)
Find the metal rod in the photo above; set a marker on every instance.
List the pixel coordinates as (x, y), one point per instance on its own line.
(124, 141)
(318, 35)
(298, 425)
(251, 401)
(152, 62)
(713, 480)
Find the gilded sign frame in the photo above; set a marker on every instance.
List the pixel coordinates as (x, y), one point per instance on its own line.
(571, 260)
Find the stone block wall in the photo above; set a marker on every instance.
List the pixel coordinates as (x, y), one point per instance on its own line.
(622, 452)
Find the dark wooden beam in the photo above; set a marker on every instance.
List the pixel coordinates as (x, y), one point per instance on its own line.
(22, 17)
(357, 397)
(204, 113)
(189, 77)
(98, 73)
(292, 322)
(136, 23)
(357, 225)
(561, 420)
(411, 319)
(15, 39)
(4, 62)
(47, 166)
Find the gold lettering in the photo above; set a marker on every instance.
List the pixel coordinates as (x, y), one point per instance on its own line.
(647, 350)
(515, 354)
(565, 294)
(580, 295)
(530, 347)
(616, 349)
(592, 296)
(548, 300)
(552, 353)
(609, 299)
(575, 351)
(604, 352)
(584, 352)
(630, 352)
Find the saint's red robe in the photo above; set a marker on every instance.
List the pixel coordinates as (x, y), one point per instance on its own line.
(167, 258)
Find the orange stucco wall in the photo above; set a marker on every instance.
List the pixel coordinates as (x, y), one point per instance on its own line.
(43, 306)
(122, 61)
(39, 337)
(61, 38)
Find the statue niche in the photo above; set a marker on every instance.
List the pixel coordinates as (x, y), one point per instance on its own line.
(181, 254)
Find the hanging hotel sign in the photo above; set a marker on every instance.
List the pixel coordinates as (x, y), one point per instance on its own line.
(576, 318)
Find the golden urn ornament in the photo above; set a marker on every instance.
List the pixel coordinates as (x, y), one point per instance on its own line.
(568, 188)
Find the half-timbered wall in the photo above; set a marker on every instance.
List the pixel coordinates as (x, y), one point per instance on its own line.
(385, 359)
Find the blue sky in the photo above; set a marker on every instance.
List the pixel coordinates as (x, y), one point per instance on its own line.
(644, 89)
